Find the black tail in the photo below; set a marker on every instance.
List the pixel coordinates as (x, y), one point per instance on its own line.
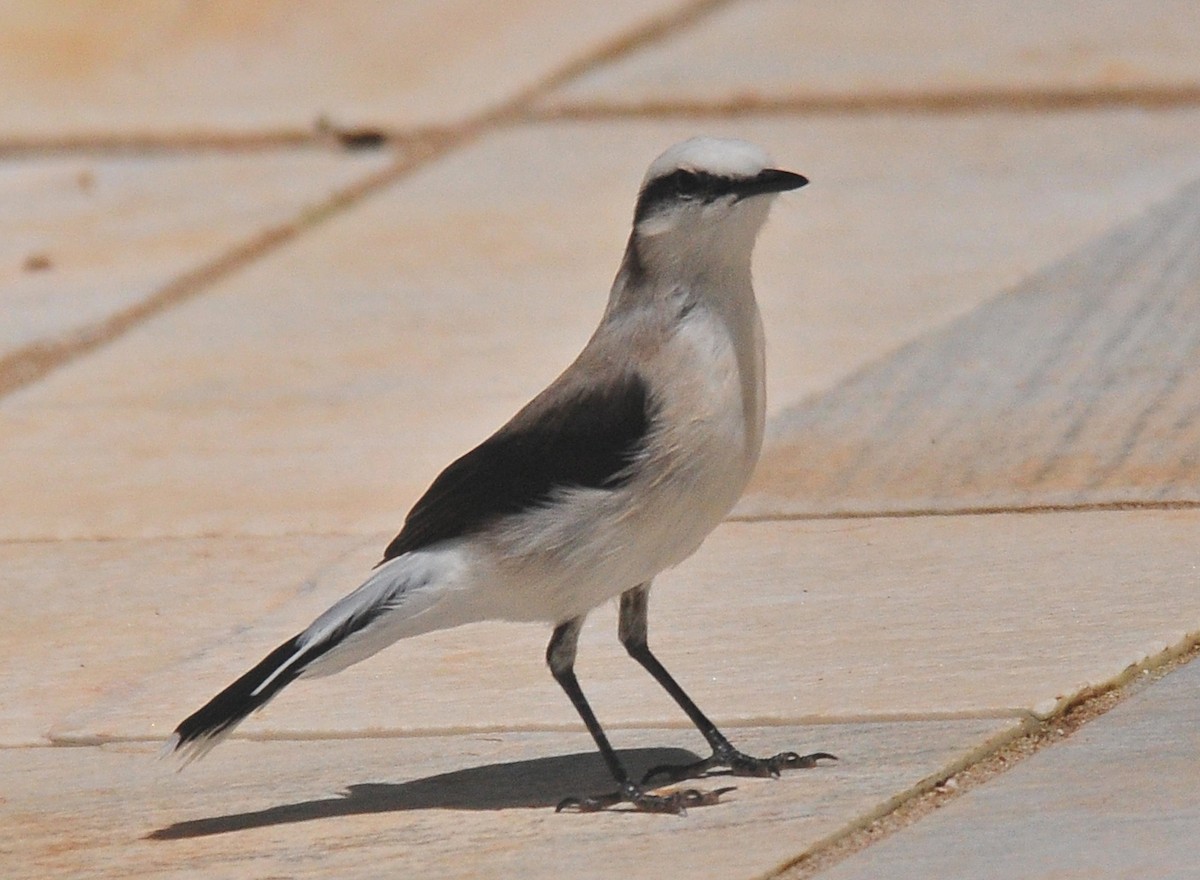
(205, 727)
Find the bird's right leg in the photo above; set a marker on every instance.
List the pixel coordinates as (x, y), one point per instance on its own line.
(560, 656)
(633, 633)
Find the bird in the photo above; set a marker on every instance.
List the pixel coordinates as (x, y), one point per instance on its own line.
(617, 471)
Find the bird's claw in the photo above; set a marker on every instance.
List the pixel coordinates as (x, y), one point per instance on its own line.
(744, 765)
(737, 764)
(675, 803)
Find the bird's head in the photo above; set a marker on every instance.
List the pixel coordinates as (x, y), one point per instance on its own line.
(707, 198)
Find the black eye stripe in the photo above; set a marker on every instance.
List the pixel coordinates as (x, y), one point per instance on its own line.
(682, 184)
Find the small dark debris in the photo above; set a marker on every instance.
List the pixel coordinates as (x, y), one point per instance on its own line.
(37, 263)
(363, 138)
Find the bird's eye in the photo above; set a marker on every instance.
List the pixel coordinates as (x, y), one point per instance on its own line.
(687, 184)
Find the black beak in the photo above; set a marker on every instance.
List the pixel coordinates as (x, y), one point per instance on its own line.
(770, 180)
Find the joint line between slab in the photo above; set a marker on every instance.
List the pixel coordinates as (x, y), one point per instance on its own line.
(751, 519)
(968, 510)
(31, 363)
(326, 134)
(1034, 100)
(916, 718)
(520, 109)
(990, 760)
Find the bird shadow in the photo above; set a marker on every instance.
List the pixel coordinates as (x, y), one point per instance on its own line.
(541, 782)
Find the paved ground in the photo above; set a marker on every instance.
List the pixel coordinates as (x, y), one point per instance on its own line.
(264, 269)
(1118, 799)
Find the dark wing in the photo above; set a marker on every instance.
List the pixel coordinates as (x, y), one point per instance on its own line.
(587, 439)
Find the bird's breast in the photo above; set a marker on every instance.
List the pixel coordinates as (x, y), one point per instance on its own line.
(708, 430)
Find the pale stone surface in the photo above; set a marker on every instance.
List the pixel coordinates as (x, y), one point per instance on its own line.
(88, 621)
(324, 386)
(1116, 800)
(82, 238)
(1077, 388)
(144, 67)
(444, 807)
(771, 622)
(780, 50)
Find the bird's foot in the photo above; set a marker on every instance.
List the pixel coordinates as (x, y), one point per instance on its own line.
(735, 763)
(675, 803)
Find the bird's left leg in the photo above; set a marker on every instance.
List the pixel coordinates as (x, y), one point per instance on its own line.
(633, 635)
(560, 656)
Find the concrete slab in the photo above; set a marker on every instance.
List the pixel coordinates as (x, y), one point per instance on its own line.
(88, 621)
(84, 238)
(140, 68)
(863, 53)
(1118, 799)
(447, 807)
(323, 387)
(1077, 388)
(778, 623)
